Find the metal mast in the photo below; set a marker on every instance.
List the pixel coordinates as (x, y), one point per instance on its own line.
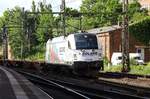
(62, 7)
(125, 39)
(5, 44)
(44, 2)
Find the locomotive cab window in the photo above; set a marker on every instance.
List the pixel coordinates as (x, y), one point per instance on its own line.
(86, 41)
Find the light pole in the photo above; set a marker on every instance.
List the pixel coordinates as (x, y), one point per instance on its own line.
(125, 39)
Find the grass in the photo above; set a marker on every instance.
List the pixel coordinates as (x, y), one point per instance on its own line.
(135, 69)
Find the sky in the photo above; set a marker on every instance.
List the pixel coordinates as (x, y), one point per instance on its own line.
(9, 4)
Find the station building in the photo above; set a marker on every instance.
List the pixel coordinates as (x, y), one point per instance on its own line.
(110, 40)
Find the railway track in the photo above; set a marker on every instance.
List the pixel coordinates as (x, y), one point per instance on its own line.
(53, 88)
(140, 91)
(43, 65)
(134, 90)
(121, 75)
(110, 89)
(105, 89)
(54, 67)
(88, 93)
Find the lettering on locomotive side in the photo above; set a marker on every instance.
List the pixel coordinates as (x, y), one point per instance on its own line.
(62, 49)
(89, 53)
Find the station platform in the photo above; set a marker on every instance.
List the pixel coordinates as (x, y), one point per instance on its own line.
(15, 86)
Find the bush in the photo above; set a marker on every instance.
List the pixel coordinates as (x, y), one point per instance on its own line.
(113, 69)
(140, 30)
(38, 54)
(135, 69)
(133, 62)
(148, 64)
(106, 61)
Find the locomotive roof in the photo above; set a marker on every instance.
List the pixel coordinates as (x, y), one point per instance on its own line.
(62, 38)
(104, 29)
(58, 39)
(83, 33)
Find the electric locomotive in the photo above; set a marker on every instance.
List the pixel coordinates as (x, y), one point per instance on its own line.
(81, 51)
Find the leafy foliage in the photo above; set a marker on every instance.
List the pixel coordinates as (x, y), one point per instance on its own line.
(72, 20)
(13, 18)
(108, 12)
(135, 12)
(25, 31)
(140, 30)
(104, 12)
(70, 12)
(44, 29)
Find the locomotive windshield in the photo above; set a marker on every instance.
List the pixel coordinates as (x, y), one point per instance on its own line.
(86, 41)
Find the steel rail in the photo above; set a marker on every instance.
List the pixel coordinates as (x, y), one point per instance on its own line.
(37, 79)
(100, 93)
(121, 75)
(139, 91)
(88, 92)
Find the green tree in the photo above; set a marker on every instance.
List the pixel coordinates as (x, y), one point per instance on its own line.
(108, 12)
(137, 17)
(104, 12)
(32, 23)
(135, 12)
(44, 29)
(1, 25)
(13, 22)
(72, 20)
(26, 30)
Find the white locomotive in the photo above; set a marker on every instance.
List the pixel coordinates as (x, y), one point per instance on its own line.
(80, 50)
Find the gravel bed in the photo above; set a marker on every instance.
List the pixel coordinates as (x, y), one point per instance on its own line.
(140, 82)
